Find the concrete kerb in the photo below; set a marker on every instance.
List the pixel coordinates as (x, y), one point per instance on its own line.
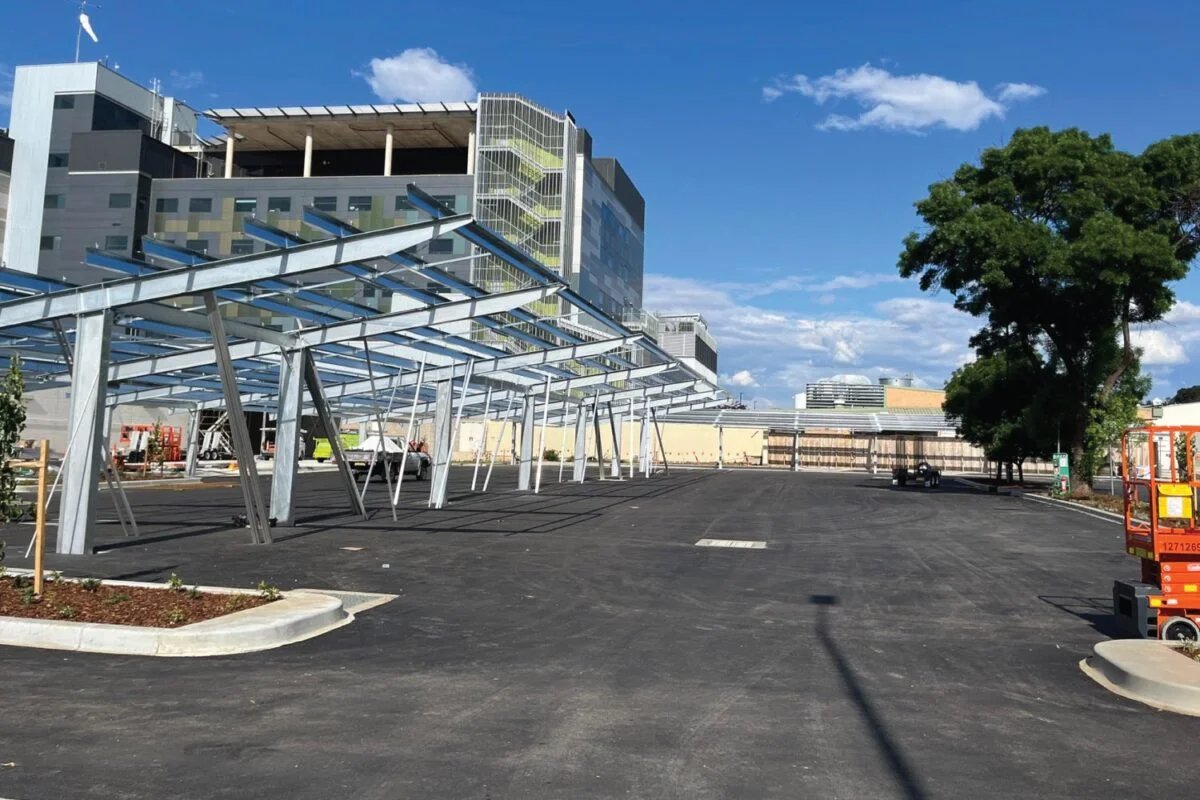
(300, 614)
(1148, 671)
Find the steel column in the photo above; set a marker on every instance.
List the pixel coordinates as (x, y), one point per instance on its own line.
(614, 424)
(720, 448)
(580, 471)
(442, 423)
(525, 460)
(316, 393)
(599, 441)
(287, 436)
(795, 451)
(89, 380)
(661, 447)
(645, 449)
(243, 451)
(193, 447)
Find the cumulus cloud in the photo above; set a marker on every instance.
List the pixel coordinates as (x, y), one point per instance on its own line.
(742, 378)
(1159, 348)
(187, 80)
(419, 75)
(911, 103)
(783, 350)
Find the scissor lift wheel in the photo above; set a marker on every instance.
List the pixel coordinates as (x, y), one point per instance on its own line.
(1178, 629)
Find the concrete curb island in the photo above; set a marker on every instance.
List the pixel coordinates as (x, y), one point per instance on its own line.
(300, 614)
(1147, 671)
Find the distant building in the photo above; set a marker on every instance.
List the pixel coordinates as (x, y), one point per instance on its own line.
(686, 338)
(6, 154)
(858, 391)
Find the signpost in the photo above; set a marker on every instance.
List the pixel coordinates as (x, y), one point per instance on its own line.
(1062, 473)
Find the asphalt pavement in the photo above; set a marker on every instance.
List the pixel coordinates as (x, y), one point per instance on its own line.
(578, 644)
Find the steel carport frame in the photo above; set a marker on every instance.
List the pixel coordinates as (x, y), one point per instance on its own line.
(195, 334)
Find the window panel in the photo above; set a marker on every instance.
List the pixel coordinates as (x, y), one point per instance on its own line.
(120, 200)
(56, 201)
(245, 205)
(64, 101)
(241, 247)
(199, 245)
(166, 205)
(281, 204)
(200, 205)
(116, 243)
(51, 242)
(58, 160)
(325, 203)
(359, 203)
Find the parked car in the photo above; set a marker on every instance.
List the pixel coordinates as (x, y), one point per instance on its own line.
(387, 455)
(923, 475)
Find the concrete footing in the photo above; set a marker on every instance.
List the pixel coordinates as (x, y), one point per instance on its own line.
(1147, 671)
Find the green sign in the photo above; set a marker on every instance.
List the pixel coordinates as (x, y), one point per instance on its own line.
(1062, 472)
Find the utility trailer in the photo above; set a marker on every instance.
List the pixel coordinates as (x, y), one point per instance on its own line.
(922, 475)
(375, 454)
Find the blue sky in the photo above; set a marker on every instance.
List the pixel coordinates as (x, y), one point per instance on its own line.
(777, 214)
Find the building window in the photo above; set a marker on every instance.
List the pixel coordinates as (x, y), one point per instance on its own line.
(58, 160)
(441, 246)
(120, 200)
(167, 205)
(280, 204)
(359, 203)
(245, 205)
(51, 242)
(325, 203)
(199, 245)
(200, 205)
(448, 200)
(402, 203)
(56, 201)
(64, 101)
(241, 247)
(116, 243)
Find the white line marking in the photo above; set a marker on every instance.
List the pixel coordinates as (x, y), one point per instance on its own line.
(742, 543)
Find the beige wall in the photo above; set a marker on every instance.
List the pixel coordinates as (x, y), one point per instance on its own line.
(907, 397)
(47, 412)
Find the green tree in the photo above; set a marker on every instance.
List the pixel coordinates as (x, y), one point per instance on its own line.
(1189, 394)
(1065, 242)
(1109, 420)
(991, 397)
(12, 425)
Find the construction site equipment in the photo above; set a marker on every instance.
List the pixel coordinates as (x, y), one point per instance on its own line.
(1158, 467)
(137, 442)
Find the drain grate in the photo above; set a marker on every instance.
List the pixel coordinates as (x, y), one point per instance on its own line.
(744, 544)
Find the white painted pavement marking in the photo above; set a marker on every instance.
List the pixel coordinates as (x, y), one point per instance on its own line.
(741, 543)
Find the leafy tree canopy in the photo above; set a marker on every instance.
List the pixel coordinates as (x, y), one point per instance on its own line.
(1063, 242)
(1190, 394)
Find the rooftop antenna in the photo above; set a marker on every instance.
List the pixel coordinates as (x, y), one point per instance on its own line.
(85, 26)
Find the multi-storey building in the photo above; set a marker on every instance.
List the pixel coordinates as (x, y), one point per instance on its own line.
(100, 161)
(6, 154)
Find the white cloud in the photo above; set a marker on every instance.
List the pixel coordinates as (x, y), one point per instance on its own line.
(1158, 348)
(742, 378)
(1012, 92)
(187, 80)
(419, 75)
(902, 102)
(782, 350)
(6, 85)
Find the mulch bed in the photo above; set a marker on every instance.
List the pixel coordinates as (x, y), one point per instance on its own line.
(121, 605)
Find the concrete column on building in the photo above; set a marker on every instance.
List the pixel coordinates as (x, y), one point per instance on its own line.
(580, 444)
(308, 151)
(89, 382)
(387, 149)
(443, 419)
(471, 153)
(287, 437)
(526, 458)
(229, 145)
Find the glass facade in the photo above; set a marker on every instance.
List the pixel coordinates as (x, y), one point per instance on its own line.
(524, 185)
(611, 248)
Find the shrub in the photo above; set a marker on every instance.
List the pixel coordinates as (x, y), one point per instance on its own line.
(194, 593)
(28, 597)
(175, 583)
(67, 612)
(270, 593)
(550, 455)
(117, 597)
(176, 616)
(90, 584)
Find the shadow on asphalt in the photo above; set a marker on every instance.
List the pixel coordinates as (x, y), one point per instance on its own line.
(1096, 611)
(909, 783)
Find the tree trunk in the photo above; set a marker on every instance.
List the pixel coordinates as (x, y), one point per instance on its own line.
(1080, 483)
(1021, 470)
(1008, 469)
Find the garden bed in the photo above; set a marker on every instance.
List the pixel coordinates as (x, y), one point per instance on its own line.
(92, 601)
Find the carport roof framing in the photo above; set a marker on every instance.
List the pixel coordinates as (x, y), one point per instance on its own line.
(162, 352)
(800, 420)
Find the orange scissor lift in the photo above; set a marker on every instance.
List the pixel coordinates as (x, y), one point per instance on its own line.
(1158, 470)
